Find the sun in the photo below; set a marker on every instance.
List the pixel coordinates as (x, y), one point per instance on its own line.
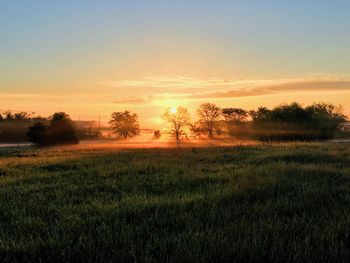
(173, 110)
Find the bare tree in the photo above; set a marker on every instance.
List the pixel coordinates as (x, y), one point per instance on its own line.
(195, 129)
(125, 124)
(178, 120)
(209, 115)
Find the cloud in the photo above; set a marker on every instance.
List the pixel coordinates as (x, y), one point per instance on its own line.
(195, 89)
(154, 91)
(183, 84)
(294, 86)
(130, 100)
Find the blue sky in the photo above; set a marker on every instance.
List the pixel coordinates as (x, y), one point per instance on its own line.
(74, 45)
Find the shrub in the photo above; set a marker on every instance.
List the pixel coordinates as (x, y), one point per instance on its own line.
(156, 134)
(38, 134)
(60, 131)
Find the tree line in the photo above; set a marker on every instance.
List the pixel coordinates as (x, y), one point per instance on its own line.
(289, 122)
(22, 127)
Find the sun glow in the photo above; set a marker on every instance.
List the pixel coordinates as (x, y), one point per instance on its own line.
(173, 110)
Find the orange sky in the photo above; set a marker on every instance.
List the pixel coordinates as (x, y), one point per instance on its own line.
(90, 59)
(149, 96)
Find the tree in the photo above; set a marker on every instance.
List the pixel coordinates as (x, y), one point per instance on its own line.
(294, 122)
(235, 119)
(125, 124)
(178, 120)
(327, 117)
(62, 129)
(195, 129)
(9, 116)
(21, 116)
(209, 114)
(235, 115)
(39, 134)
(260, 114)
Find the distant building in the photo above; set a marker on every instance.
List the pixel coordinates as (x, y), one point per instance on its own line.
(345, 127)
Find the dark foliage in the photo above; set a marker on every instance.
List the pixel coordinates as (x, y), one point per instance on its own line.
(293, 122)
(39, 134)
(235, 120)
(60, 131)
(14, 126)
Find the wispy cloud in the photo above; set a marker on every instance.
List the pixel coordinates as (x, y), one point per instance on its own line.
(296, 86)
(131, 100)
(155, 91)
(215, 88)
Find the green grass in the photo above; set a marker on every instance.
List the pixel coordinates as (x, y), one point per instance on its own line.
(280, 203)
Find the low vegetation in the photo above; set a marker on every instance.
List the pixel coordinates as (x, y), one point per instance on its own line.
(278, 203)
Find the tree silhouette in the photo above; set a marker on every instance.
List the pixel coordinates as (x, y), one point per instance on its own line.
(9, 116)
(209, 114)
(235, 115)
(235, 119)
(319, 121)
(21, 116)
(39, 134)
(177, 120)
(125, 124)
(62, 129)
(261, 113)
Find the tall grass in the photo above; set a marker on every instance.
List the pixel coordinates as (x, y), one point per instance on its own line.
(279, 203)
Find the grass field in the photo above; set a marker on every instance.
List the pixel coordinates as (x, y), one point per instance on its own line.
(280, 203)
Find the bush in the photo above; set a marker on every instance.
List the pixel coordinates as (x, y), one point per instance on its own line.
(60, 131)
(39, 134)
(156, 134)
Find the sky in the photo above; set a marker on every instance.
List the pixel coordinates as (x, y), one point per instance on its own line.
(90, 58)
